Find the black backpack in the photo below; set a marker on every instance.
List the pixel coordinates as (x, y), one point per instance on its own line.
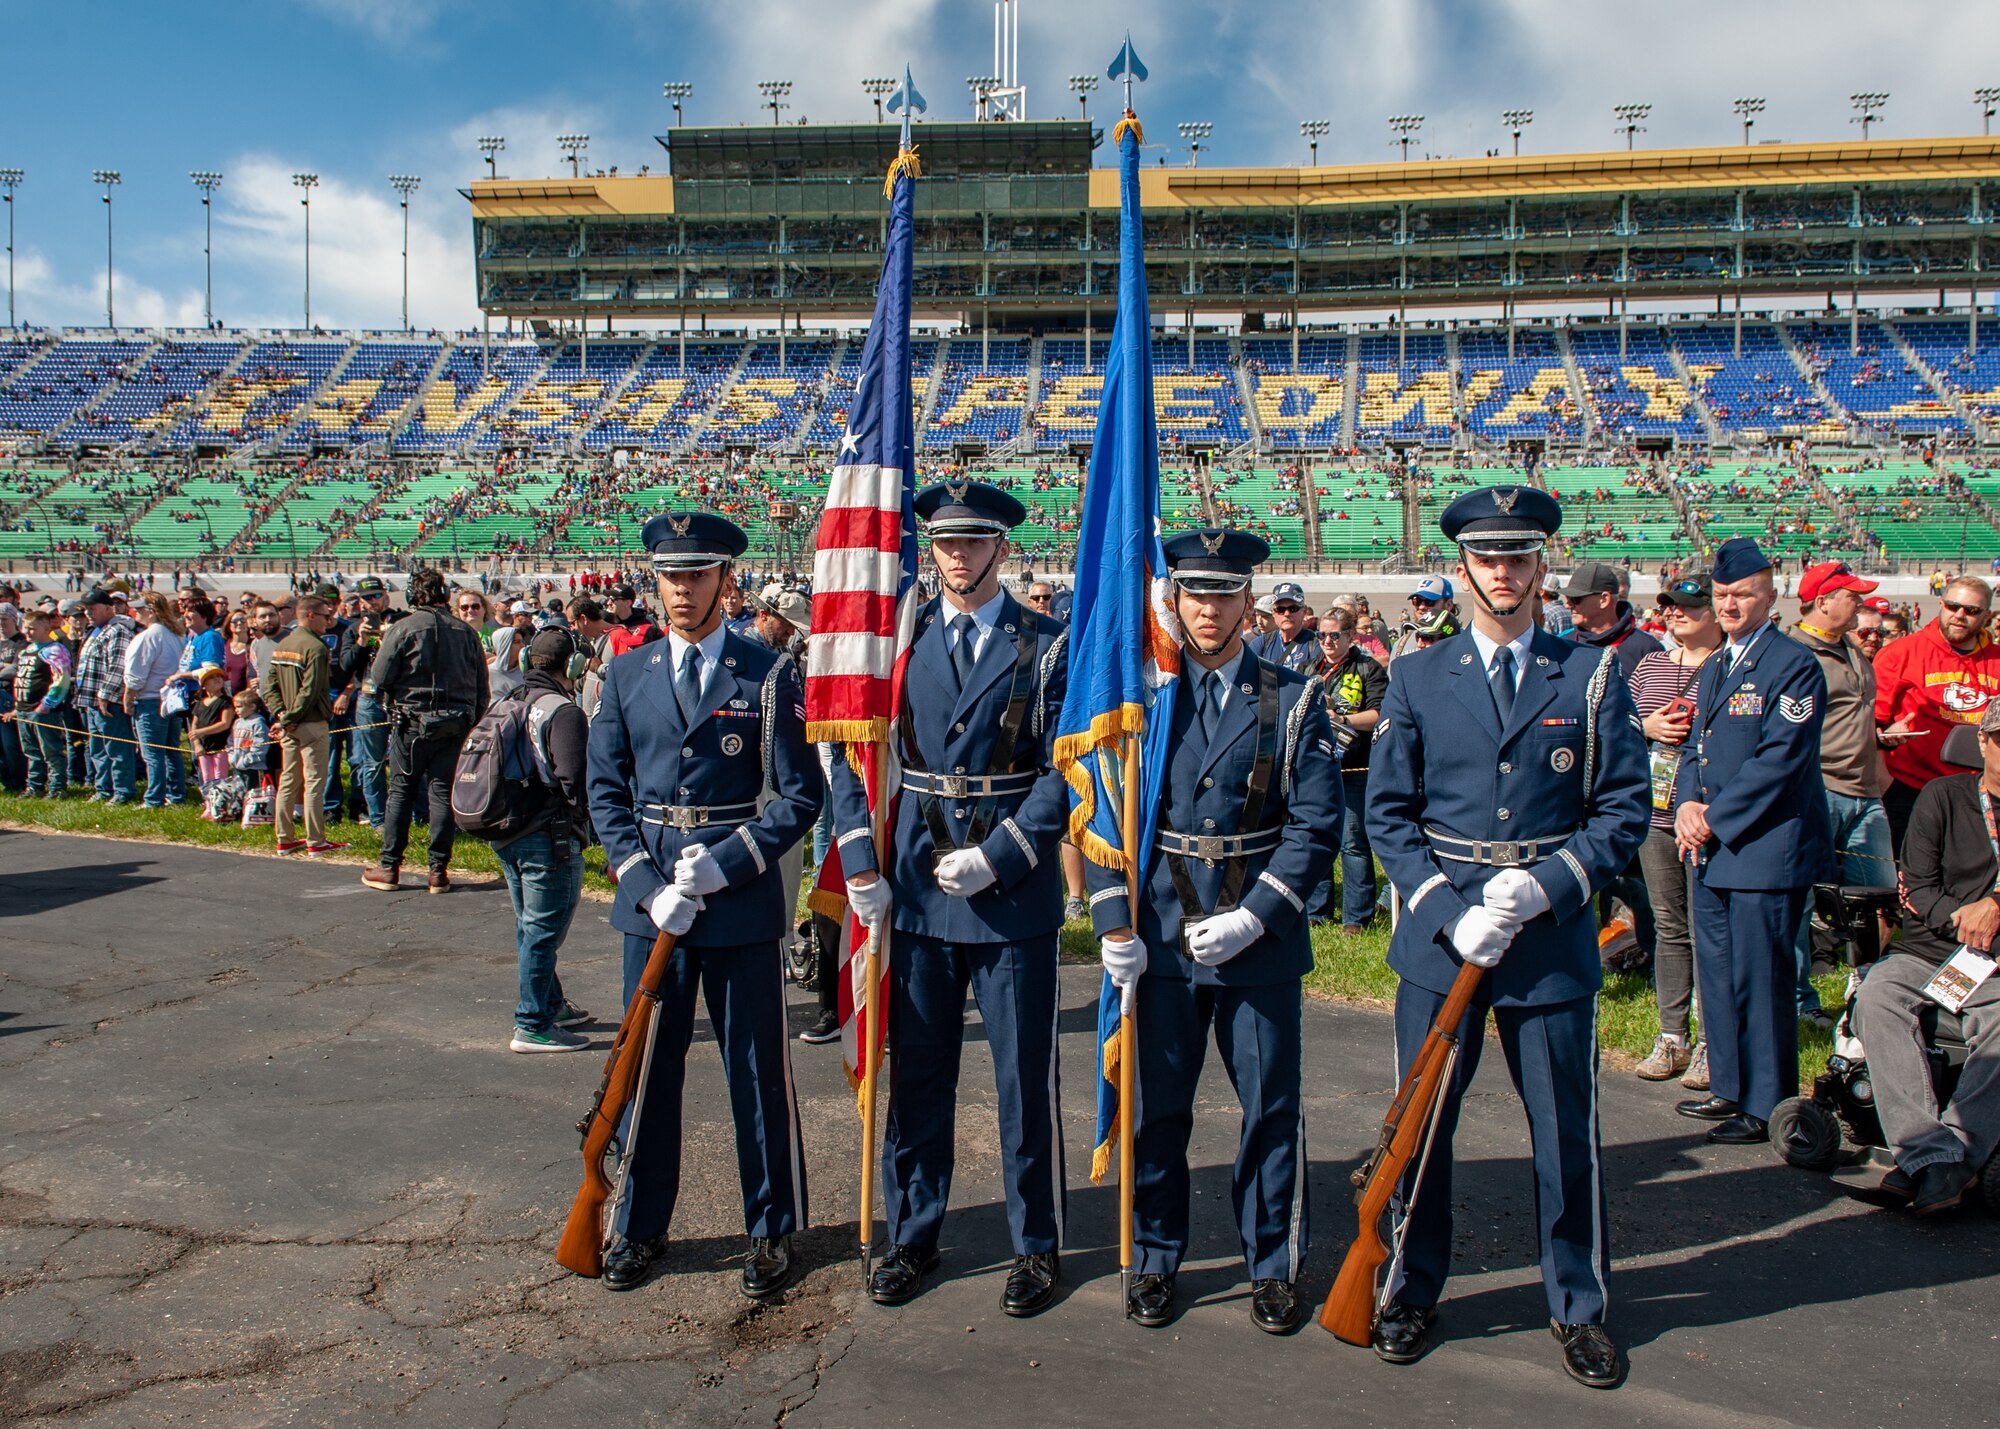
(503, 778)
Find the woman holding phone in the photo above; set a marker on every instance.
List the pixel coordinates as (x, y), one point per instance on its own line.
(1663, 690)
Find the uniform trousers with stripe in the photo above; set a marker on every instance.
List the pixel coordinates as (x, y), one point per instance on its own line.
(1551, 1053)
(1743, 944)
(1014, 986)
(744, 988)
(1257, 1031)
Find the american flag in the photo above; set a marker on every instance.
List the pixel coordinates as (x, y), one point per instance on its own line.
(865, 593)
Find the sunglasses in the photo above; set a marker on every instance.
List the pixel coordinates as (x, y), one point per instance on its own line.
(1875, 634)
(1329, 636)
(1978, 610)
(1287, 609)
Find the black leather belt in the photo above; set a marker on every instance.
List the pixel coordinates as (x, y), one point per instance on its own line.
(1214, 847)
(968, 786)
(695, 816)
(1494, 853)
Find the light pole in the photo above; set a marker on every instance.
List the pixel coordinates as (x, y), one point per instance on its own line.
(1516, 120)
(307, 183)
(1405, 125)
(675, 90)
(1986, 99)
(981, 86)
(208, 181)
(1194, 131)
(575, 146)
(877, 90)
(1312, 131)
(1747, 110)
(491, 146)
(1865, 104)
(1081, 86)
(1631, 119)
(405, 185)
(110, 178)
(774, 92)
(10, 179)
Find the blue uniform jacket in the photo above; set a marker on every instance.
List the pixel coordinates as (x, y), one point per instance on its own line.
(1755, 763)
(1440, 760)
(1205, 788)
(955, 734)
(641, 753)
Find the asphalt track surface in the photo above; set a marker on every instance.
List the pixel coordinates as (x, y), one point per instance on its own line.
(265, 1159)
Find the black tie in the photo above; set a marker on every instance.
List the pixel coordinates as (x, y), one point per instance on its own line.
(687, 684)
(961, 651)
(1208, 703)
(1502, 682)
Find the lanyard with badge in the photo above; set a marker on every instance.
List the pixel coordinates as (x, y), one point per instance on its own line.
(1953, 984)
(1664, 760)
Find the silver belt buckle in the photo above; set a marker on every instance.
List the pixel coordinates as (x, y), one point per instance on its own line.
(1208, 847)
(1507, 855)
(952, 786)
(686, 816)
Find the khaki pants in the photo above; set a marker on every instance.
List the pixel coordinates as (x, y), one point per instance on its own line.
(304, 749)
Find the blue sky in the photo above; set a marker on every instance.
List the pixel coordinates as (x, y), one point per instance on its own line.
(358, 89)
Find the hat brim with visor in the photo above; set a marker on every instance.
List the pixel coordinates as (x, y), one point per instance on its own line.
(692, 541)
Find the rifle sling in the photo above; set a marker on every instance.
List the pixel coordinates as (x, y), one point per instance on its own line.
(1002, 761)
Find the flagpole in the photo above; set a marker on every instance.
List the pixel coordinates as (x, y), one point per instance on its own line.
(1128, 1032)
(871, 1014)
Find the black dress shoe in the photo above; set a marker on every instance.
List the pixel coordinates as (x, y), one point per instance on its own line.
(627, 1263)
(1403, 1332)
(900, 1276)
(1031, 1284)
(1709, 1109)
(1274, 1306)
(1943, 1186)
(1152, 1302)
(767, 1270)
(1740, 1130)
(1898, 1183)
(1588, 1354)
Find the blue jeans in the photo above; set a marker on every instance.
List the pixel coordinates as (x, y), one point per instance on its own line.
(369, 747)
(339, 731)
(114, 763)
(166, 765)
(1862, 854)
(13, 760)
(544, 894)
(1357, 859)
(45, 742)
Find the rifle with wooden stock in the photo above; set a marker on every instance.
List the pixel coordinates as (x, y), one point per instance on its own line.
(582, 1247)
(1349, 1312)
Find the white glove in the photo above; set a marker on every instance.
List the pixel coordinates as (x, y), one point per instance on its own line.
(870, 903)
(964, 872)
(697, 872)
(1124, 959)
(1481, 935)
(1218, 938)
(672, 911)
(1514, 896)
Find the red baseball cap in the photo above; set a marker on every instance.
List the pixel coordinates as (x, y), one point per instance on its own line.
(1829, 576)
(1879, 604)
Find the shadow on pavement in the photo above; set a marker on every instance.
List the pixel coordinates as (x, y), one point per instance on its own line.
(43, 891)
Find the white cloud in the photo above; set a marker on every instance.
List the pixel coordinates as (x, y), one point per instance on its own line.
(46, 299)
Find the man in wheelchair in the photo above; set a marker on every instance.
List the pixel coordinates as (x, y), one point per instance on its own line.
(1951, 906)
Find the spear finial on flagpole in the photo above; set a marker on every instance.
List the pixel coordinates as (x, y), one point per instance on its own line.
(911, 103)
(1128, 68)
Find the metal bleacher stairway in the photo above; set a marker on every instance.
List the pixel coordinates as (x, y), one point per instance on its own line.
(1579, 389)
(1813, 379)
(1696, 398)
(1973, 419)
(275, 441)
(416, 403)
(692, 441)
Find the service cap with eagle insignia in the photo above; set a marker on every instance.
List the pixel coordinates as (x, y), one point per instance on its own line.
(1213, 559)
(968, 508)
(1502, 520)
(692, 541)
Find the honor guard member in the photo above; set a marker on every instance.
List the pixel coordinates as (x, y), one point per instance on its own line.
(690, 730)
(971, 883)
(1507, 785)
(1247, 829)
(1288, 642)
(1751, 817)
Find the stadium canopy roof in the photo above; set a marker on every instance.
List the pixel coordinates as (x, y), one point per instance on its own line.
(832, 150)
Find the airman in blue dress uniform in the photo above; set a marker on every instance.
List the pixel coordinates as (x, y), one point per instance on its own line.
(1750, 814)
(971, 883)
(689, 732)
(1248, 820)
(1507, 784)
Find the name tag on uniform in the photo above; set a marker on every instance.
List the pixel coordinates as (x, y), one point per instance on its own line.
(1959, 978)
(1746, 702)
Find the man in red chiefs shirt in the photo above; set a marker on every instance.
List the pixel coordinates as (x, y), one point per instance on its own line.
(1939, 677)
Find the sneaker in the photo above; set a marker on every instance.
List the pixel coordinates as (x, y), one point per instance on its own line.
(291, 845)
(1695, 1079)
(1817, 1017)
(553, 1040)
(1074, 908)
(325, 846)
(571, 1015)
(825, 1029)
(1669, 1058)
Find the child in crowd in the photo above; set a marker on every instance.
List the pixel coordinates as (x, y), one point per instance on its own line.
(213, 717)
(248, 753)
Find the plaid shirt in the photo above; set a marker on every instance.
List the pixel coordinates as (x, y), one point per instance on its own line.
(100, 667)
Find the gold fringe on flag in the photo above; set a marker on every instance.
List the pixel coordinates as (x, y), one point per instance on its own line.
(1130, 121)
(1071, 754)
(1100, 1157)
(846, 731)
(905, 162)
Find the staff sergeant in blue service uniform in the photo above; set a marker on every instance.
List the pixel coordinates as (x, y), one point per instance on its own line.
(1220, 938)
(1751, 816)
(689, 732)
(1507, 785)
(971, 883)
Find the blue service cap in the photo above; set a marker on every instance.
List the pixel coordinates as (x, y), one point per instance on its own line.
(1737, 559)
(692, 540)
(1502, 520)
(1214, 559)
(968, 508)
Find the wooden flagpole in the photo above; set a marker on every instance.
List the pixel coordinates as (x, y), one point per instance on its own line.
(1128, 1035)
(871, 1013)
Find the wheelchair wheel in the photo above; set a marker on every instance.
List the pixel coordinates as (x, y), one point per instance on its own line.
(1806, 1134)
